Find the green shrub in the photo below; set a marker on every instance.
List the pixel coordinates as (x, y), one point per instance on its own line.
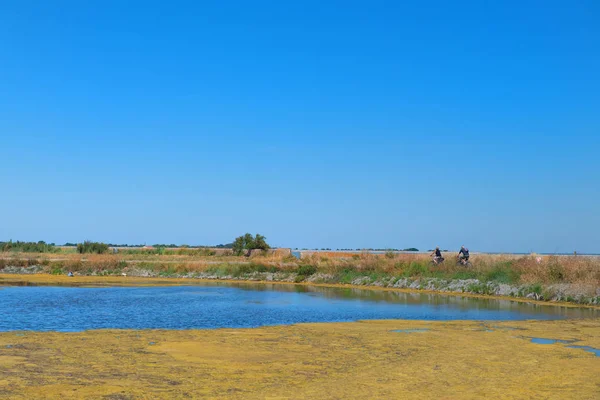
(556, 272)
(502, 273)
(237, 270)
(248, 243)
(168, 272)
(535, 288)
(206, 252)
(56, 269)
(306, 270)
(416, 269)
(92, 247)
(464, 274)
(348, 275)
(479, 288)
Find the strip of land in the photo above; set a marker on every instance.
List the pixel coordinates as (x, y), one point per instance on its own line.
(574, 279)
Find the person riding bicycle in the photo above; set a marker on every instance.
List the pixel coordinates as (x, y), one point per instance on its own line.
(437, 255)
(463, 254)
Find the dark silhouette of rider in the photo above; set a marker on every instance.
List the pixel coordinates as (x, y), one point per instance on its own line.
(437, 255)
(463, 254)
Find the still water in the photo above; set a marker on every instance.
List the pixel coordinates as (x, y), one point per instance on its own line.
(242, 305)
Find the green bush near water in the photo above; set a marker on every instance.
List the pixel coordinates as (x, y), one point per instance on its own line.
(467, 274)
(237, 270)
(92, 247)
(416, 269)
(57, 269)
(348, 275)
(307, 270)
(556, 272)
(502, 273)
(248, 243)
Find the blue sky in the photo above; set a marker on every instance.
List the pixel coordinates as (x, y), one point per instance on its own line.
(316, 123)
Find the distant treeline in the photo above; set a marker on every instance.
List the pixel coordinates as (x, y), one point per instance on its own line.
(29, 247)
(172, 245)
(43, 247)
(100, 248)
(362, 249)
(91, 247)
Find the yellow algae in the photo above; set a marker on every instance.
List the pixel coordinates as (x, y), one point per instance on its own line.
(368, 359)
(458, 359)
(9, 361)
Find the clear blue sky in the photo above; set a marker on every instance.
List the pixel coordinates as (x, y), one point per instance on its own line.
(315, 123)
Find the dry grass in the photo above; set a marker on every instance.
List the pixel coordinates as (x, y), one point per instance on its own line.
(584, 270)
(512, 268)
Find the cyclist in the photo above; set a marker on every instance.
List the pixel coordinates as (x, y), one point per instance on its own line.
(437, 255)
(463, 255)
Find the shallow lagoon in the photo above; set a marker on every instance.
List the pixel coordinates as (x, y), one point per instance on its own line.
(242, 305)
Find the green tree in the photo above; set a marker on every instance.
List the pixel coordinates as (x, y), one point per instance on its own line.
(260, 242)
(238, 246)
(92, 247)
(247, 243)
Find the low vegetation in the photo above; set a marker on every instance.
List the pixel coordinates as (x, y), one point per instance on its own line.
(247, 243)
(508, 269)
(570, 278)
(92, 247)
(29, 247)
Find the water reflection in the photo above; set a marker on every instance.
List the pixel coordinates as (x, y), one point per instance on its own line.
(416, 298)
(236, 305)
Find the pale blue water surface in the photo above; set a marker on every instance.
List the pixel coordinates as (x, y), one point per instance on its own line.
(212, 305)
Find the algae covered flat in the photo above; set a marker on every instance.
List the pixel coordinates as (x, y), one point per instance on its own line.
(353, 360)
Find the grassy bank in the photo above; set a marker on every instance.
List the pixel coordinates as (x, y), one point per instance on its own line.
(558, 278)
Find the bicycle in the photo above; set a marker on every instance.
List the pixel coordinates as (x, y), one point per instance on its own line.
(436, 261)
(463, 261)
